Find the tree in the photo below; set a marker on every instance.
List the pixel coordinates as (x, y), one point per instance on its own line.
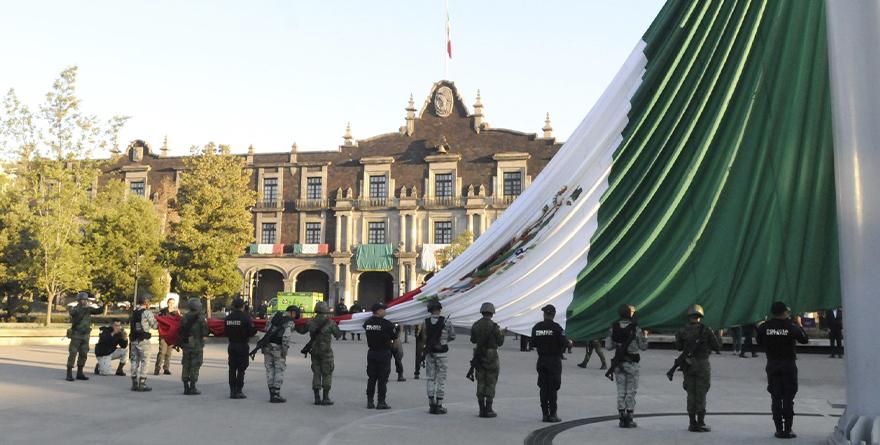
(458, 245)
(55, 175)
(214, 226)
(124, 228)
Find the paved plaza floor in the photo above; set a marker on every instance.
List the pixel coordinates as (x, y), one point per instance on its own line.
(38, 406)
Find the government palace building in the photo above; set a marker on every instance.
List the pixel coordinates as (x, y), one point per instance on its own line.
(363, 222)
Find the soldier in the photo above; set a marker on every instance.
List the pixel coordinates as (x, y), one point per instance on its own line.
(593, 346)
(437, 332)
(379, 333)
(112, 344)
(397, 353)
(548, 338)
(627, 373)
(778, 336)
(697, 372)
(191, 338)
(275, 351)
(142, 320)
(163, 360)
(320, 328)
(341, 309)
(239, 328)
(487, 337)
(354, 309)
(79, 333)
(420, 346)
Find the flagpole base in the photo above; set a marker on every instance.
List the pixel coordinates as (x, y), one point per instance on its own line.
(853, 429)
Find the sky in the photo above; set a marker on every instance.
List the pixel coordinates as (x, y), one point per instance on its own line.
(271, 73)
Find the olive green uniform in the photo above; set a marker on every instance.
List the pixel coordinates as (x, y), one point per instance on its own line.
(322, 352)
(80, 332)
(485, 331)
(193, 346)
(697, 374)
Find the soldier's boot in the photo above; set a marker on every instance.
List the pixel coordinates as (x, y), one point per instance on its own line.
(489, 413)
(167, 372)
(69, 375)
(275, 395)
(370, 404)
(238, 393)
(432, 406)
(629, 420)
(400, 377)
(622, 422)
(134, 384)
(232, 391)
(325, 400)
(482, 402)
(79, 373)
(545, 414)
(192, 389)
(382, 405)
(604, 366)
(438, 407)
(120, 370)
(96, 369)
(701, 423)
(787, 433)
(142, 386)
(317, 396)
(186, 390)
(693, 426)
(156, 369)
(553, 418)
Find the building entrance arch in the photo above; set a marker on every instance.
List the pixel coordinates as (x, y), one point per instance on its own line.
(267, 283)
(313, 280)
(375, 287)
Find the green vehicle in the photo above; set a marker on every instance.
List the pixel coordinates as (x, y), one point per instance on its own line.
(305, 300)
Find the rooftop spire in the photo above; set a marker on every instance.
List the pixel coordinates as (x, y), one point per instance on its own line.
(548, 130)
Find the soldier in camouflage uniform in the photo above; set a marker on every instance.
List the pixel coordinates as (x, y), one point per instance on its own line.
(697, 371)
(275, 351)
(141, 322)
(487, 335)
(80, 332)
(321, 328)
(193, 330)
(438, 332)
(627, 374)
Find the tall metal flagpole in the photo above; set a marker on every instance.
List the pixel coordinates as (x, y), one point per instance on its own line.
(446, 46)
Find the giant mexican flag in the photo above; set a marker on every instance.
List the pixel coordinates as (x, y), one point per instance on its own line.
(704, 174)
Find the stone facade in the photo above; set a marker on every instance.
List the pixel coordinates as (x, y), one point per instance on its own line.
(445, 171)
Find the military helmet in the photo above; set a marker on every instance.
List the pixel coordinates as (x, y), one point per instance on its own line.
(626, 311)
(696, 309)
(144, 298)
(194, 304)
(322, 308)
(434, 306)
(487, 307)
(82, 296)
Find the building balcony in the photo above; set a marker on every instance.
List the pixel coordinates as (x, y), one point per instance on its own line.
(442, 202)
(503, 201)
(311, 204)
(268, 206)
(376, 203)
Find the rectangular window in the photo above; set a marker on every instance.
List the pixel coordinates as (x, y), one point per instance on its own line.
(268, 236)
(377, 233)
(377, 187)
(138, 188)
(512, 183)
(270, 190)
(313, 189)
(313, 233)
(443, 232)
(443, 185)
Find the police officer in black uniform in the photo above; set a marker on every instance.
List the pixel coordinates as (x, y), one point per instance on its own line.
(549, 339)
(380, 332)
(778, 337)
(239, 328)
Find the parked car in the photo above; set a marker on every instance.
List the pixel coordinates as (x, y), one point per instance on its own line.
(124, 305)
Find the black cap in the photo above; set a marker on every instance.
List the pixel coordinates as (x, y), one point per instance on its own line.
(549, 309)
(778, 308)
(238, 303)
(378, 306)
(434, 305)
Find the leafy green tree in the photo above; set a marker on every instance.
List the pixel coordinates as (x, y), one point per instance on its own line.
(55, 175)
(123, 228)
(214, 226)
(458, 245)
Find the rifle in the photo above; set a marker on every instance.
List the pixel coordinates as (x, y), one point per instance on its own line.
(479, 352)
(621, 352)
(308, 347)
(264, 341)
(685, 356)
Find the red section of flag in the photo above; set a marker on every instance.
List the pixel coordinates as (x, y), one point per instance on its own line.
(448, 34)
(323, 249)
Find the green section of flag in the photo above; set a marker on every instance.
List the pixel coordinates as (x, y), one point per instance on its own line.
(374, 257)
(722, 190)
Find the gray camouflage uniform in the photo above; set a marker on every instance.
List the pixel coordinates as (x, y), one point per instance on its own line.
(140, 349)
(437, 362)
(627, 374)
(275, 355)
